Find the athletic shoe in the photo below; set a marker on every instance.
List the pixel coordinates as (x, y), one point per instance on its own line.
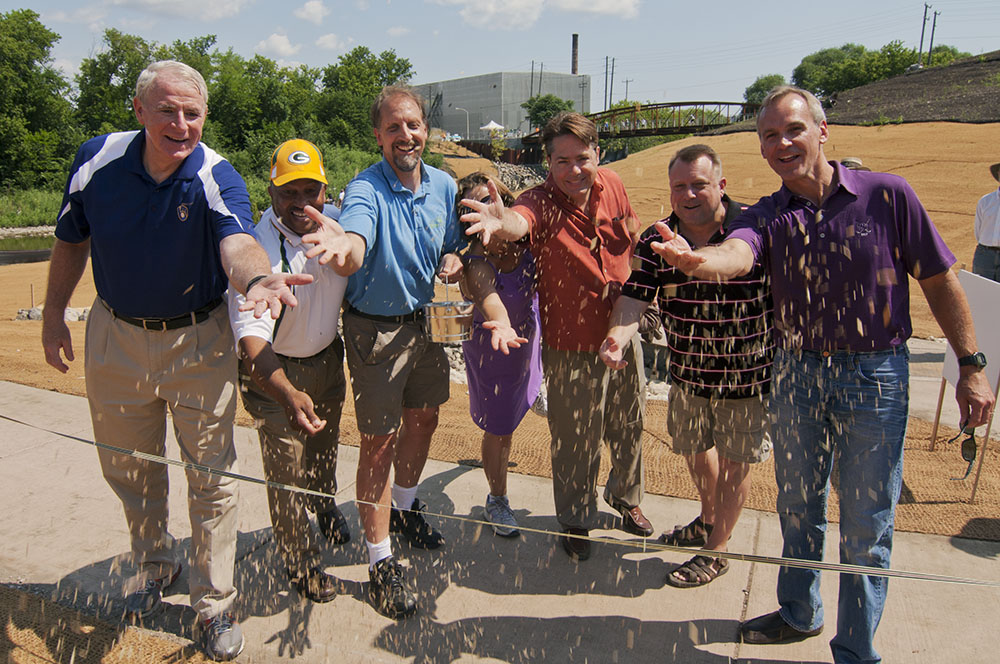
(501, 516)
(386, 591)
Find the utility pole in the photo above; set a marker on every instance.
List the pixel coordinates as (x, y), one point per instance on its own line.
(626, 82)
(923, 26)
(541, 68)
(930, 48)
(531, 85)
(611, 92)
(583, 89)
(605, 82)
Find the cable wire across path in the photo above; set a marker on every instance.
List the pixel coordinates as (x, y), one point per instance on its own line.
(645, 545)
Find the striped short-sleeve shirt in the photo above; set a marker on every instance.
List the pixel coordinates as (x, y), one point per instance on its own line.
(720, 334)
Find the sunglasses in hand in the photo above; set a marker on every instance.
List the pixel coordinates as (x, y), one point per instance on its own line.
(968, 449)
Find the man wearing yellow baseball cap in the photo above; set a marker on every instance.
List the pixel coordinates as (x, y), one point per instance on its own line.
(292, 372)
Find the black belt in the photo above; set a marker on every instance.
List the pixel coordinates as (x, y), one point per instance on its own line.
(305, 360)
(412, 317)
(986, 246)
(164, 324)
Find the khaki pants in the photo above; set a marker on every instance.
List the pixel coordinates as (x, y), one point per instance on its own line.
(291, 457)
(590, 403)
(133, 377)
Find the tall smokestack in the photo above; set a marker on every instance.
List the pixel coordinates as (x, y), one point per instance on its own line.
(576, 52)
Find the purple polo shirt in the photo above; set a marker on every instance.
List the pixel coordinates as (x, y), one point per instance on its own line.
(839, 271)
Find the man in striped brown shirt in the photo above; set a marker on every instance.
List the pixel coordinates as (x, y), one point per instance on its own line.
(721, 343)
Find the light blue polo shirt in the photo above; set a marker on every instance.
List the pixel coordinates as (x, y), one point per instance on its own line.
(405, 236)
(154, 247)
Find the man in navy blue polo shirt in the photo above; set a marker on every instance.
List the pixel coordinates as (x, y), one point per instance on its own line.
(167, 224)
(397, 229)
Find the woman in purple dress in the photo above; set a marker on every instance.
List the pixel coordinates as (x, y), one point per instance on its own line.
(502, 358)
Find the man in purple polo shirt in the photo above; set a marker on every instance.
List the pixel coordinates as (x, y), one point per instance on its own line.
(839, 246)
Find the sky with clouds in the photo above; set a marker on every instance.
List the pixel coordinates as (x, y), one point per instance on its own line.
(663, 50)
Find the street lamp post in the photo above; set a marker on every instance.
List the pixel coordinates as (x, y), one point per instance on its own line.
(457, 108)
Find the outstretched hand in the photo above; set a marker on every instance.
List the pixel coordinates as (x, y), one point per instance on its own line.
(612, 354)
(675, 250)
(329, 240)
(302, 414)
(504, 337)
(486, 218)
(271, 292)
(57, 342)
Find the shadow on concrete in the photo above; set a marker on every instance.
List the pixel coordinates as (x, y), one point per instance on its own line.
(976, 528)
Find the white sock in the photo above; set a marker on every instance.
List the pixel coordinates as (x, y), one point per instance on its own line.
(377, 552)
(403, 497)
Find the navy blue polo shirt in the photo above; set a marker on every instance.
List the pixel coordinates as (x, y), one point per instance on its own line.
(154, 247)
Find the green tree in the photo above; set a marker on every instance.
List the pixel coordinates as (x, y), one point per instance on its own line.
(107, 83)
(37, 134)
(541, 108)
(811, 74)
(362, 73)
(756, 91)
(944, 55)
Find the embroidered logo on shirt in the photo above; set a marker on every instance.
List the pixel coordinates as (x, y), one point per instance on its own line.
(182, 212)
(863, 227)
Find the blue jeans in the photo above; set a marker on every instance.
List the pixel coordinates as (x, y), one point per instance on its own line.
(854, 404)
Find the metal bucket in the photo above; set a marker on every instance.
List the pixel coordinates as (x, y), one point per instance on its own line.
(448, 322)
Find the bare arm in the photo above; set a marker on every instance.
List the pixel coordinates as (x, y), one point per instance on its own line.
(951, 310)
(732, 258)
(493, 218)
(65, 269)
(243, 259)
(478, 284)
(266, 371)
(622, 327)
(344, 252)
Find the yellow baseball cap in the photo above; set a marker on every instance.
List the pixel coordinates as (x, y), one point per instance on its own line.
(297, 159)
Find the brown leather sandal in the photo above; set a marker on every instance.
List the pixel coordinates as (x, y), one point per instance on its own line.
(694, 534)
(699, 571)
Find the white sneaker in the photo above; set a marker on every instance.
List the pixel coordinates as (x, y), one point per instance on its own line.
(501, 516)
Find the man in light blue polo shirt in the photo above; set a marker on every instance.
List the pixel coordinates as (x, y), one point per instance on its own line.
(397, 229)
(167, 224)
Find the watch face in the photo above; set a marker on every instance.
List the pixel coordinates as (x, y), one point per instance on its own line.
(975, 360)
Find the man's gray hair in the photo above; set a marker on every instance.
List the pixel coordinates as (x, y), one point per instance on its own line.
(179, 69)
(781, 91)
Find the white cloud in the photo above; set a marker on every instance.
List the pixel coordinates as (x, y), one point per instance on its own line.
(277, 45)
(92, 16)
(313, 11)
(490, 14)
(623, 8)
(331, 42)
(362, 5)
(398, 31)
(206, 11)
(69, 68)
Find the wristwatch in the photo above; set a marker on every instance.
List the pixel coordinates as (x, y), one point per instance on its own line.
(977, 360)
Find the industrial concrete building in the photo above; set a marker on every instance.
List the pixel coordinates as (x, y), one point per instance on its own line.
(463, 105)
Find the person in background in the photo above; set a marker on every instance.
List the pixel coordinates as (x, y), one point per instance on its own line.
(502, 358)
(986, 260)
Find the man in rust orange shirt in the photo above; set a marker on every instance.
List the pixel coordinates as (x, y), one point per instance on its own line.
(582, 232)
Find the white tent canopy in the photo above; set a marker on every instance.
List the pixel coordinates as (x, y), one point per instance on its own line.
(492, 125)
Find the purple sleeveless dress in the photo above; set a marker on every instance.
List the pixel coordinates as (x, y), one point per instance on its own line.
(503, 387)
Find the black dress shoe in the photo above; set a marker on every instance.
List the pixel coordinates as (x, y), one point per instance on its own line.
(333, 525)
(772, 628)
(316, 584)
(577, 547)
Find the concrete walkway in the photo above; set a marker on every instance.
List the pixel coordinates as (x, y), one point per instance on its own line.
(482, 598)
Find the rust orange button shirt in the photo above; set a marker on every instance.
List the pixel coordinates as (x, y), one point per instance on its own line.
(583, 258)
